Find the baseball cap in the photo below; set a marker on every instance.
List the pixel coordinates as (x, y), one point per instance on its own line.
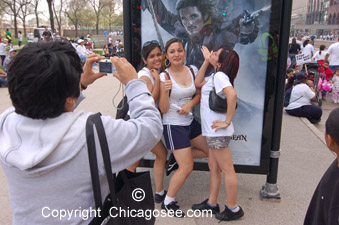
(300, 76)
(80, 40)
(12, 50)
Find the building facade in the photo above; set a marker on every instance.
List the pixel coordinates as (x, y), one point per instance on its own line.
(333, 12)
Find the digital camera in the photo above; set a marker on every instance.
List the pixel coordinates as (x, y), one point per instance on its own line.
(106, 66)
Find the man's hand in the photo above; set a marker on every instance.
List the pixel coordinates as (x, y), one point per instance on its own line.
(89, 76)
(126, 71)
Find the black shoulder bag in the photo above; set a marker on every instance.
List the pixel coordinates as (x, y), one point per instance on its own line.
(122, 188)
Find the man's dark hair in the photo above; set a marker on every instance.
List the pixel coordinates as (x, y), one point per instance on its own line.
(332, 125)
(204, 6)
(229, 60)
(42, 76)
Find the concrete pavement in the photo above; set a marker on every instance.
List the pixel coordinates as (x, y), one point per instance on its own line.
(304, 159)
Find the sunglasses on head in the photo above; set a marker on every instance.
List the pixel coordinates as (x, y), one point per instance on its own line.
(147, 43)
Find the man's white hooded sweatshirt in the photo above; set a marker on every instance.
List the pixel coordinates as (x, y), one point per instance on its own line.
(46, 161)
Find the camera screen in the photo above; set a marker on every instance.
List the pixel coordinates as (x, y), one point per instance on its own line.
(105, 67)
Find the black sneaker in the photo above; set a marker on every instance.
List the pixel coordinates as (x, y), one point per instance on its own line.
(228, 215)
(204, 206)
(171, 164)
(159, 198)
(173, 209)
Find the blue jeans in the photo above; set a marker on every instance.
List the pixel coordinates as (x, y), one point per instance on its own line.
(311, 112)
(3, 82)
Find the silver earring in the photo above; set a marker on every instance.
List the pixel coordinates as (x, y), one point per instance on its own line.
(167, 62)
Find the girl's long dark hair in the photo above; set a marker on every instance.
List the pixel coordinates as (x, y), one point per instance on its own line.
(229, 60)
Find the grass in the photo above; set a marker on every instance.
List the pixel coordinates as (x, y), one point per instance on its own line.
(15, 41)
(97, 51)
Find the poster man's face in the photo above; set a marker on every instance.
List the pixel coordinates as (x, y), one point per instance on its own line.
(192, 19)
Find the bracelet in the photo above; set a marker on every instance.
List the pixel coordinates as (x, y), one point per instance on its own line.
(83, 87)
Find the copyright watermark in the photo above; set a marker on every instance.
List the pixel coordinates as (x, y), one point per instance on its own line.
(138, 194)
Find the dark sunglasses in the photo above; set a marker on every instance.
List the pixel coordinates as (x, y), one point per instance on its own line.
(147, 43)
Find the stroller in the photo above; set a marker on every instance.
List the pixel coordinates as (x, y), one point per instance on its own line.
(312, 70)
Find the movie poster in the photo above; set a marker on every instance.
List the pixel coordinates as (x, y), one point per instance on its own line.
(242, 25)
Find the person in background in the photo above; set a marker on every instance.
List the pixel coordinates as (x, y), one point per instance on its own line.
(3, 80)
(105, 51)
(9, 58)
(333, 51)
(300, 100)
(20, 38)
(335, 88)
(3, 51)
(319, 56)
(324, 206)
(326, 78)
(89, 48)
(9, 38)
(307, 50)
(293, 50)
(47, 35)
(289, 78)
(49, 166)
(81, 50)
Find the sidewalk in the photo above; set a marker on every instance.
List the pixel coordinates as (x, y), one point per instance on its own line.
(304, 159)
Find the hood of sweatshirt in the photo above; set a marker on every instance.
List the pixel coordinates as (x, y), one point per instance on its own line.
(38, 146)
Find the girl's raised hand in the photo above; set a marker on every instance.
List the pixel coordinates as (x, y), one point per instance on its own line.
(205, 52)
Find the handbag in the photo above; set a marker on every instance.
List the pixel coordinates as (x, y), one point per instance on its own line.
(123, 204)
(216, 103)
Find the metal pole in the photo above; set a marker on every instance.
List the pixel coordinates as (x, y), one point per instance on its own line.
(127, 29)
(270, 189)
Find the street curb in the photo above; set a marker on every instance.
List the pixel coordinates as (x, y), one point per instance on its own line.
(315, 130)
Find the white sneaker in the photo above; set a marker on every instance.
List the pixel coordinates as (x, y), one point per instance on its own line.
(335, 101)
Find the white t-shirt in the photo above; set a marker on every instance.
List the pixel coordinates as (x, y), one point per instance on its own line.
(81, 50)
(145, 72)
(2, 49)
(307, 50)
(333, 50)
(179, 96)
(320, 57)
(208, 116)
(301, 95)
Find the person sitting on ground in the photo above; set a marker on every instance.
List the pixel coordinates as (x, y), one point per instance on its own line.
(3, 80)
(105, 51)
(43, 150)
(8, 59)
(300, 100)
(289, 78)
(81, 50)
(324, 206)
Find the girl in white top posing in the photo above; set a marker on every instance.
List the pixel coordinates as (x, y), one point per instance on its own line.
(181, 131)
(152, 58)
(218, 129)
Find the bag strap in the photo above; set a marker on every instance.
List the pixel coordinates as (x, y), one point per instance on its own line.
(93, 163)
(169, 77)
(111, 179)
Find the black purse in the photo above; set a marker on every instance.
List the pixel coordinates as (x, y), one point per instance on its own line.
(123, 196)
(216, 103)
